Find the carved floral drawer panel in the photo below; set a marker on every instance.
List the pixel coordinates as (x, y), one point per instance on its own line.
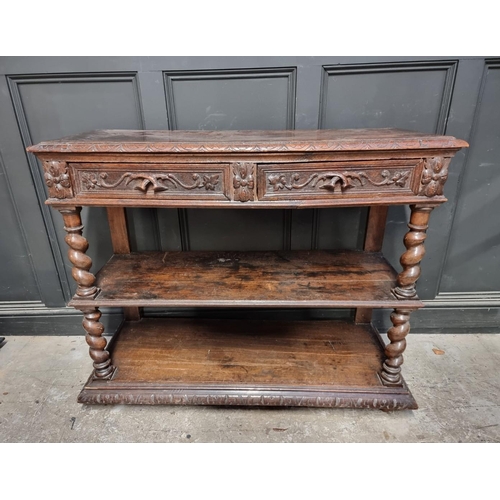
(160, 180)
(324, 179)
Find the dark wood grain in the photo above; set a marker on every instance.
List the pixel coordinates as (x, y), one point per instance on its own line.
(221, 141)
(333, 201)
(375, 228)
(118, 230)
(248, 279)
(374, 238)
(185, 361)
(121, 245)
(253, 353)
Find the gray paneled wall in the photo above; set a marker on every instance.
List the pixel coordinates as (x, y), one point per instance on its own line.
(46, 98)
(231, 100)
(402, 95)
(18, 280)
(473, 258)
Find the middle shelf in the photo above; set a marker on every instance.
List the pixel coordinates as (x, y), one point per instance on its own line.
(320, 278)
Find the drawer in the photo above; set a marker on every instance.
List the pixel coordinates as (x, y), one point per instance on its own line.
(235, 182)
(162, 180)
(324, 180)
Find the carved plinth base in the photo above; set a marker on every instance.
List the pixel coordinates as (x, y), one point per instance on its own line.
(237, 363)
(94, 394)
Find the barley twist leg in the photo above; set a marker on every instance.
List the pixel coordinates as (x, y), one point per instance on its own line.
(391, 370)
(103, 369)
(415, 251)
(78, 245)
(86, 289)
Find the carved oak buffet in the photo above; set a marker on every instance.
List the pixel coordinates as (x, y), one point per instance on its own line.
(285, 363)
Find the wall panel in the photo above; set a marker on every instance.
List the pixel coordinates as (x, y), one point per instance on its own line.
(473, 258)
(18, 281)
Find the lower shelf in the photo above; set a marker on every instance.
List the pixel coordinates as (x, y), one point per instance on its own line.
(256, 363)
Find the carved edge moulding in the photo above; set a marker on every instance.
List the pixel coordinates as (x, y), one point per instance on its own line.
(305, 141)
(178, 396)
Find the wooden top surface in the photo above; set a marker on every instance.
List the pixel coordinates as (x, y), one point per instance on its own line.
(221, 141)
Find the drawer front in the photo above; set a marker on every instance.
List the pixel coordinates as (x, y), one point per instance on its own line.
(163, 181)
(324, 180)
(236, 183)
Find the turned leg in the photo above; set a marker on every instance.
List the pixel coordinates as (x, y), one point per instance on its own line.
(405, 289)
(103, 369)
(78, 245)
(415, 250)
(391, 369)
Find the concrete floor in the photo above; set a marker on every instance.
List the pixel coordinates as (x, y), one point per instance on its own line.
(454, 378)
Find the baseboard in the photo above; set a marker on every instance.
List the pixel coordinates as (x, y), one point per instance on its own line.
(67, 321)
(446, 320)
(53, 321)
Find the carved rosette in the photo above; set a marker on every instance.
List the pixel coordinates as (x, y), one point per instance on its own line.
(57, 179)
(434, 175)
(243, 181)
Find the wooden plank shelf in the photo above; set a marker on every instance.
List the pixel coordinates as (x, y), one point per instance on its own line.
(320, 363)
(248, 279)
